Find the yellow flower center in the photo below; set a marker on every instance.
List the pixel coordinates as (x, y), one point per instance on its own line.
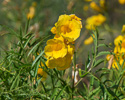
(65, 29)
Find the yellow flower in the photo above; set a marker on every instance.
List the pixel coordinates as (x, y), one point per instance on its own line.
(85, 8)
(121, 1)
(61, 63)
(31, 13)
(41, 73)
(102, 3)
(94, 21)
(69, 27)
(123, 29)
(55, 48)
(95, 7)
(119, 51)
(118, 40)
(88, 41)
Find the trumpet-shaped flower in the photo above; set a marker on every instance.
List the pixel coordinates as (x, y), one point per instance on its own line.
(55, 48)
(61, 63)
(69, 27)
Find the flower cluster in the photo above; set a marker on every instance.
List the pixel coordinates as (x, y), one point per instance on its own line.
(119, 51)
(94, 21)
(60, 49)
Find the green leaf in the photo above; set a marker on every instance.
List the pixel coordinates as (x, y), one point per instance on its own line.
(59, 94)
(80, 73)
(87, 64)
(27, 26)
(105, 53)
(102, 69)
(103, 45)
(91, 83)
(36, 69)
(104, 73)
(15, 82)
(34, 62)
(85, 87)
(34, 47)
(53, 94)
(27, 41)
(98, 62)
(94, 92)
(112, 93)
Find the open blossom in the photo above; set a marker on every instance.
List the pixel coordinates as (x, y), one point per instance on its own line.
(68, 26)
(94, 21)
(61, 63)
(55, 48)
